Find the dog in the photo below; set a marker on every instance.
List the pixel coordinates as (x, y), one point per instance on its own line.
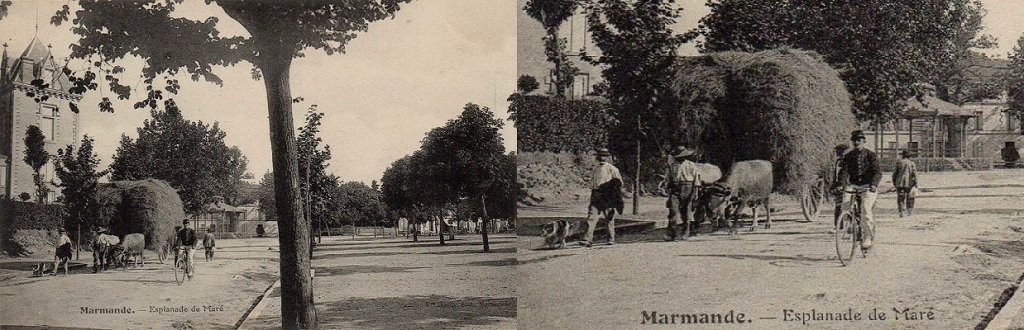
(554, 233)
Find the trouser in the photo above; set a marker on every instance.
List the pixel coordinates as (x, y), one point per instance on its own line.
(209, 253)
(866, 215)
(593, 215)
(190, 254)
(680, 205)
(904, 201)
(99, 258)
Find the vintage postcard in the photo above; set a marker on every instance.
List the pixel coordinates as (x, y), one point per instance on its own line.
(257, 164)
(770, 164)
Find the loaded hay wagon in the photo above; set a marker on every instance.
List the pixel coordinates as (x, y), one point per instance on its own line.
(786, 106)
(150, 207)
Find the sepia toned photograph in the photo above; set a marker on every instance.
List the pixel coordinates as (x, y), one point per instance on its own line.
(257, 164)
(771, 164)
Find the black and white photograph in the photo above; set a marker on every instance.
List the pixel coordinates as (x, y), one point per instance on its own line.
(770, 164)
(195, 164)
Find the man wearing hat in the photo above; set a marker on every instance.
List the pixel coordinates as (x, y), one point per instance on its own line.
(904, 178)
(836, 188)
(860, 168)
(187, 242)
(683, 180)
(605, 196)
(63, 252)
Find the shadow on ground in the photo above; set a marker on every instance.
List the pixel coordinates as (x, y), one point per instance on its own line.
(416, 312)
(490, 263)
(361, 269)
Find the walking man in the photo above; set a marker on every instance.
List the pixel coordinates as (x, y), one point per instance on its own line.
(209, 243)
(683, 180)
(905, 179)
(605, 197)
(860, 169)
(63, 252)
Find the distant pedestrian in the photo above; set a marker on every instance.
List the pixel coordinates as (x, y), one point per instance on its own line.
(904, 178)
(605, 197)
(62, 254)
(209, 243)
(683, 180)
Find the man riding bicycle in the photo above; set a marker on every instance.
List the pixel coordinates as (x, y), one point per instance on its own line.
(859, 169)
(186, 240)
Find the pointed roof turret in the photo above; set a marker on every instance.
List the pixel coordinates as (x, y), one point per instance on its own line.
(36, 51)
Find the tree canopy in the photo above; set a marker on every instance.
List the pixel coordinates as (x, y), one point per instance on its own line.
(36, 157)
(190, 155)
(886, 51)
(1015, 82)
(77, 171)
(551, 14)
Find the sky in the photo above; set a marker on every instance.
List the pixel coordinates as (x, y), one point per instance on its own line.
(395, 82)
(1005, 21)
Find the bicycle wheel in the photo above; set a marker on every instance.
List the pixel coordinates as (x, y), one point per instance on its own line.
(180, 271)
(846, 238)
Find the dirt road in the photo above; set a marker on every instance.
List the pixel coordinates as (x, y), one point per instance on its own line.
(146, 297)
(941, 269)
(394, 283)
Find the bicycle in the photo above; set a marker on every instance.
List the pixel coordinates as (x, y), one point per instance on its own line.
(849, 230)
(182, 266)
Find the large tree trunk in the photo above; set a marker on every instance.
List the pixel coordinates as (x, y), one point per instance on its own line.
(636, 176)
(297, 308)
(483, 211)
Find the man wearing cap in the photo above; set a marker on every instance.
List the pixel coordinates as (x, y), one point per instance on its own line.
(683, 180)
(63, 252)
(187, 242)
(860, 168)
(904, 178)
(605, 197)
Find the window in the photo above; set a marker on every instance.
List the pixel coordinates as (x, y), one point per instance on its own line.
(3, 177)
(48, 121)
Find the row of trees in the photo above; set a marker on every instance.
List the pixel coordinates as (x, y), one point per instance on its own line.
(330, 201)
(461, 171)
(190, 155)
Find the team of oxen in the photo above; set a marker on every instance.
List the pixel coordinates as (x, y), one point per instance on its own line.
(748, 184)
(112, 251)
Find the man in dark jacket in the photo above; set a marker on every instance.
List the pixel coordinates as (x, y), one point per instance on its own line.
(187, 243)
(860, 169)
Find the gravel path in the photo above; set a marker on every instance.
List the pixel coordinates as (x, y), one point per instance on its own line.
(953, 259)
(221, 291)
(395, 283)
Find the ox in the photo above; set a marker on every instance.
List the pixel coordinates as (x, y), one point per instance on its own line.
(748, 184)
(134, 245)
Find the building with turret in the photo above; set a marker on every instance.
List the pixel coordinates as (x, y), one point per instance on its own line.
(23, 104)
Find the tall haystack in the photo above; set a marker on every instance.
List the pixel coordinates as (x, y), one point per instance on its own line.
(148, 206)
(786, 106)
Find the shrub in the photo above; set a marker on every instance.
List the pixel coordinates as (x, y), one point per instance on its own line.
(546, 123)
